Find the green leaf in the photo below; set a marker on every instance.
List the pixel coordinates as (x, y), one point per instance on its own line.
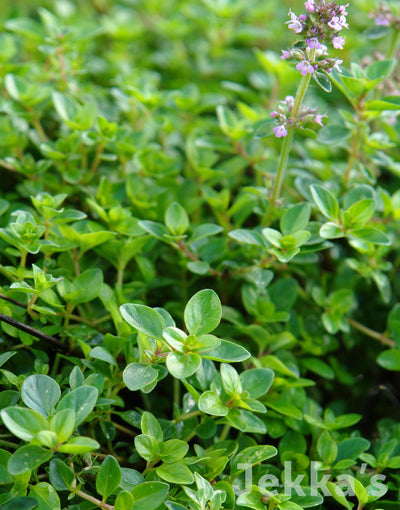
(203, 312)
(109, 477)
(144, 319)
(296, 218)
(66, 107)
(319, 367)
(203, 231)
(227, 352)
(252, 455)
(147, 446)
(124, 501)
(370, 234)
(210, 403)
(323, 80)
(182, 365)
(41, 393)
(333, 134)
(5, 357)
(173, 450)
(88, 285)
(20, 503)
(176, 219)
(390, 359)
(248, 237)
(23, 423)
(79, 444)
(28, 457)
(175, 472)
(360, 212)
(338, 495)
(99, 352)
(61, 475)
(327, 448)
(46, 496)
(326, 202)
(230, 380)
(81, 400)
(137, 376)
(63, 424)
(149, 495)
(150, 426)
(257, 381)
(352, 448)
(379, 70)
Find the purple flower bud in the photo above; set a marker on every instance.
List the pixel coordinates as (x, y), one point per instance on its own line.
(286, 54)
(318, 119)
(302, 17)
(280, 131)
(305, 67)
(310, 6)
(274, 114)
(338, 42)
(313, 43)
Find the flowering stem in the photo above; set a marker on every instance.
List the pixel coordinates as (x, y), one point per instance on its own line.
(280, 174)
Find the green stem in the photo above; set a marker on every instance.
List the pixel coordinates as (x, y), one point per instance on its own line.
(371, 333)
(187, 416)
(225, 432)
(177, 393)
(280, 173)
(393, 44)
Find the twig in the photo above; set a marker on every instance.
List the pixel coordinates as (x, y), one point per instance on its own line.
(35, 332)
(371, 333)
(93, 500)
(7, 166)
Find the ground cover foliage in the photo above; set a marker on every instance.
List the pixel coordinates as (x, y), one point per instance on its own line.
(177, 329)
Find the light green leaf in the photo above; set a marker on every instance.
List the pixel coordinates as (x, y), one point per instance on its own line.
(175, 472)
(109, 477)
(41, 393)
(326, 202)
(203, 312)
(81, 400)
(144, 319)
(182, 365)
(137, 376)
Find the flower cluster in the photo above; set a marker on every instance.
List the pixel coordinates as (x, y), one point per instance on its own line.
(284, 119)
(319, 28)
(384, 17)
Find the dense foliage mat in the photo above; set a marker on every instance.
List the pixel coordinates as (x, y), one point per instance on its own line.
(199, 235)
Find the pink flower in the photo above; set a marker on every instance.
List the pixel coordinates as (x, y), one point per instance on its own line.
(289, 102)
(381, 21)
(337, 64)
(294, 23)
(338, 42)
(286, 54)
(280, 131)
(318, 119)
(274, 114)
(335, 23)
(305, 67)
(310, 6)
(313, 43)
(342, 9)
(338, 22)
